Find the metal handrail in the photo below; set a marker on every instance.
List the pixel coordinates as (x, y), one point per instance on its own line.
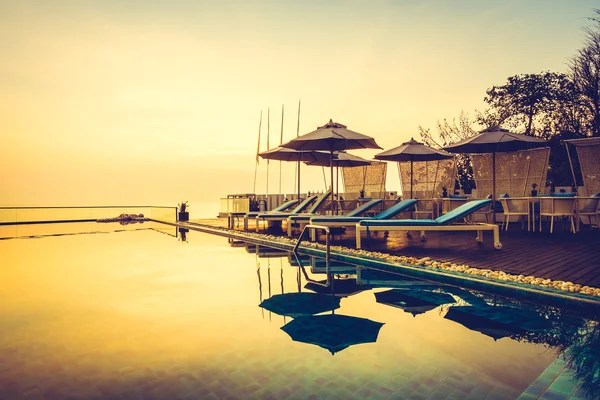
(327, 252)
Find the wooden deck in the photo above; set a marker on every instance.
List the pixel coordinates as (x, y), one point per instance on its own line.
(558, 256)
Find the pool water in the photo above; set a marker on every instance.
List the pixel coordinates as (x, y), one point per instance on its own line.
(137, 314)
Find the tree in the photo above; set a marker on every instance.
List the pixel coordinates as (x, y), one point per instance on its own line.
(449, 133)
(585, 74)
(529, 102)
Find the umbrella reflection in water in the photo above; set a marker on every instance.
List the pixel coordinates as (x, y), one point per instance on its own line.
(414, 301)
(494, 329)
(499, 321)
(300, 304)
(333, 332)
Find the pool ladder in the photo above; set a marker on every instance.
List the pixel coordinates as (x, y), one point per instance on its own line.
(327, 253)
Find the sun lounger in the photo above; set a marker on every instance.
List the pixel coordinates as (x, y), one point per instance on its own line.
(304, 219)
(345, 220)
(443, 223)
(302, 206)
(284, 216)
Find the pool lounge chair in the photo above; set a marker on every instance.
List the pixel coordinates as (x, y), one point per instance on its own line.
(443, 223)
(345, 220)
(304, 219)
(303, 205)
(238, 214)
(284, 216)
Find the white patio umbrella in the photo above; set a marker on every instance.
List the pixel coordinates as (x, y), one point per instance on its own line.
(413, 151)
(331, 137)
(287, 154)
(495, 140)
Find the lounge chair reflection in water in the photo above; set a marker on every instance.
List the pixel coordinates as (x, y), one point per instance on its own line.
(443, 223)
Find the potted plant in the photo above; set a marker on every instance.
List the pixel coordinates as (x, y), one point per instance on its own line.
(534, 191)
(362, 193)
(444, 191)
(183, 214)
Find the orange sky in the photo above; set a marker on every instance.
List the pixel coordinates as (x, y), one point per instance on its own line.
(106, 102)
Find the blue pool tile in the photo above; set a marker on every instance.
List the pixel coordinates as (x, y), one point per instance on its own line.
(527, 396)
(536, 389)
(552, 395)
(564, 385)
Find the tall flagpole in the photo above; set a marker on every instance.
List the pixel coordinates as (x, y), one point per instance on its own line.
(298, 164)
(268, 148)
(257, 151)
(280, 143)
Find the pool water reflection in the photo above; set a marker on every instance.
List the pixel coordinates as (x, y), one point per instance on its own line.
(137, 314)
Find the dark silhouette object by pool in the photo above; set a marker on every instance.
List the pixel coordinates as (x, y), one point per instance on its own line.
(413, 301)
(300, 304)
(333, 332)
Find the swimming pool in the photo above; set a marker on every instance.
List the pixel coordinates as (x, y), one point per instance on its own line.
(137, 314)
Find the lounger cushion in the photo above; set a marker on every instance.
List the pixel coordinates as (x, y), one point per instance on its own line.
(396, 209)
(454, 196)
(340, 219)
(400, 222)
(365, 207)
(446, 219)
(563, 194)
(462, 211)
(301, 217)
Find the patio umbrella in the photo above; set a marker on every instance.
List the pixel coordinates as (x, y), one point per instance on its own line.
(332, 137)
(333, 332)
(414, 301)
(413, 151)
(300, 304)
(287, 154)
(340, 159)
(495, 140)
(467, 317)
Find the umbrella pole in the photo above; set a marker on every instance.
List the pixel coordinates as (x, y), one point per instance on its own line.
(494, 188)
(298, 181)
(337, 187)
(331, 168)
(411, 178)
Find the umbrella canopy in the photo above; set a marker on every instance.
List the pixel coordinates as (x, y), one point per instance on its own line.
(331, 137)
(495, 140)
(340, 159)
(300, 304)
(287, 154)
(412, 151)
(333, 332)
(413, 301)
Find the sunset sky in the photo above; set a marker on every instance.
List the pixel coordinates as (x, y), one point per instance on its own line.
(155, 102)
